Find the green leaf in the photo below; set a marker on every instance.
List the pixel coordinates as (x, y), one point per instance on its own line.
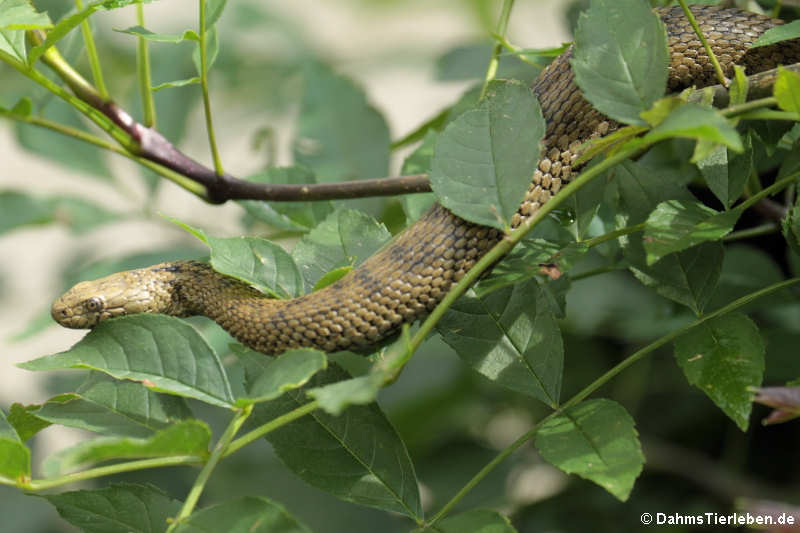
(120, 507)
(21, 15)
(641, 188)
(214, 9)
(291, 370)
(473, 521)
(737, 278)
(345, 238)
(357, 456)
(693, 121)
(15, 457)
(188, 35)
(483, 161)
(676, 225)
(787, 90)
(177, 83)
(25, 423)
(688, 277)
(727, 172)
(597, 440)
(116, 408)
(291, 216)
(419, 162)
(67, 24)
(723, 357)
(212, 49)
(189, 437)
(245, 515)
(162, 352)
(256, 261)
(336, 397)
(12, 42)
(331, 277)
(620, 58)
(345, 140)
(511, 337)
(777, 34)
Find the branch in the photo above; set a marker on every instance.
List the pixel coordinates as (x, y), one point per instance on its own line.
(149, 144)
(760, 86)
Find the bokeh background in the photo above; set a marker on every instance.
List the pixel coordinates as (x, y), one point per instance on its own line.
(413, 58)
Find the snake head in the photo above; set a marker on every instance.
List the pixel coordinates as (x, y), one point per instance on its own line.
(90, 302)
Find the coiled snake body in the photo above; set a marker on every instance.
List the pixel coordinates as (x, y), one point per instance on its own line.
(408, 277)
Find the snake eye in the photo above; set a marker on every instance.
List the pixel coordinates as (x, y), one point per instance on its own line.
(94, 304)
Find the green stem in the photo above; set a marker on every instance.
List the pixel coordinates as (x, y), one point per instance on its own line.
(610, 236)
(717, 68)
(91, 51)
(180, 180)
(764, 229)
(593, 272)
(776, 11)
(217, 454)
(735, 110)
(130, 466)
(272, 425)
(502, 27)
(143, 71)
(769, 191)
(212, 140)
(79, 85)
(599, 382)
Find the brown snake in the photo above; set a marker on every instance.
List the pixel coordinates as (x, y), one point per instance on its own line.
(409, 276)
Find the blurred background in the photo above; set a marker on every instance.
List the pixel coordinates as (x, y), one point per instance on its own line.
(413, 58)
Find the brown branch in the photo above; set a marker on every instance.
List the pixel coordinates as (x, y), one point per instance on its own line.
(760, 86)
(149, 144)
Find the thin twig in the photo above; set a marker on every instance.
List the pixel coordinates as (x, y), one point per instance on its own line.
(149, 144)
(212, 138)
(91, 51)
(717, 68)
(143, 71)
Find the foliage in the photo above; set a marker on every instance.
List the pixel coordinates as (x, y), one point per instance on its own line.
(639, 254)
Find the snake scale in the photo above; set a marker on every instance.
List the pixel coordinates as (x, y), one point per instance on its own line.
(409, 276)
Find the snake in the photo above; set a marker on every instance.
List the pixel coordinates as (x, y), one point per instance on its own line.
(409, 276)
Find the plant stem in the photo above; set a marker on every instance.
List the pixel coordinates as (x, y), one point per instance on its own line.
(599, 382)
(502, 27)
(158, 462)
(91, 51)
(768, 191)
(776, 11)
(735, 110)
(143, 72)
(764, 229)
(717, 68)
(212, 140)
(600, 239)
(180, 180)
(217, 454)
(273, 424)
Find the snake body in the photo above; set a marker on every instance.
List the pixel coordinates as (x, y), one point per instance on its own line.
(409, 276)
